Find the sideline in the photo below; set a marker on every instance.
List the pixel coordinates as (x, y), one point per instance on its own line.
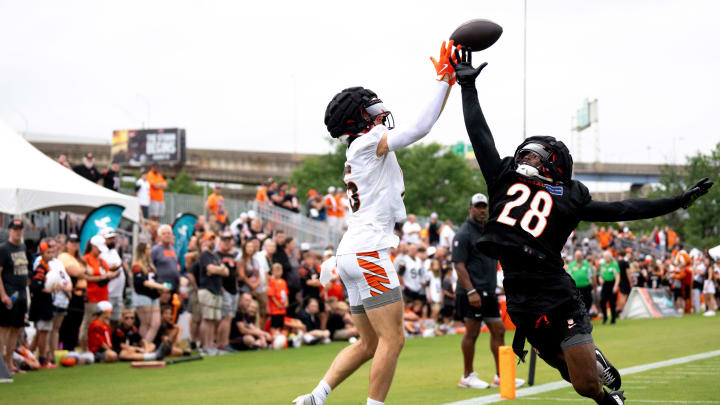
(524, 392)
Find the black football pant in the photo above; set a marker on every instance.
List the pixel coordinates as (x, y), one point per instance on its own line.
(607, 296)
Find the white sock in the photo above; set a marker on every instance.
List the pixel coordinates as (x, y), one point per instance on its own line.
(374, 402)
(149, 356)
(321, 392)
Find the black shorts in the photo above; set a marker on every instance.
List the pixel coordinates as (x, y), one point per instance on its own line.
(14, 317)
(562, 327)
(411, 296)
(447, 311)
(99, 356)
(277, 321)
(488, 311)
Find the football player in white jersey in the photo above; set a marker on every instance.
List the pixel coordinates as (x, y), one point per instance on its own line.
(375, 190)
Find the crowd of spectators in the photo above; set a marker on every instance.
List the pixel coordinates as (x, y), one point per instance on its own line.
(610, 261)
(246, 285)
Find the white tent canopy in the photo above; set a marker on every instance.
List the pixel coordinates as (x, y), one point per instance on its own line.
(32, 181)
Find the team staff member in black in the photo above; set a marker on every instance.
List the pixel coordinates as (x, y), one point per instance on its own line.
(13, 296)
(475, 299)
(535, 205)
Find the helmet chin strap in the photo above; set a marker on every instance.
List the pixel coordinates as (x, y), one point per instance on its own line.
(526, 170)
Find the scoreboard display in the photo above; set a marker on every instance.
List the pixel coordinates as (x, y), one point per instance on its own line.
(143, 147)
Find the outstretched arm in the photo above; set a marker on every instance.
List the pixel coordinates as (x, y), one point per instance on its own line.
(412, 133)
(477, 128)
(629, 210)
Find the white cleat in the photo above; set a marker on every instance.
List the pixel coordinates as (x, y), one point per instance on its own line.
(709, 313)
(519, 382)
(472, 381)
(306, 399)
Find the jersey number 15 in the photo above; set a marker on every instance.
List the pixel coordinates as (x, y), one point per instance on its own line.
(541, 197)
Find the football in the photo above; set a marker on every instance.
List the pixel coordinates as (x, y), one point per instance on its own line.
(477, 34)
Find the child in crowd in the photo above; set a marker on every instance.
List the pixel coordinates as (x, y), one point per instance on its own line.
(130, 346)
(169, 333)
(277, 299)
(98, 334)
(41, 306)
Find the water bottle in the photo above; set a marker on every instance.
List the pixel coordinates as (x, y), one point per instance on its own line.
(15, 296)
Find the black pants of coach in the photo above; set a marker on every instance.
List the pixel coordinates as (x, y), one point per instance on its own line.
(586, 294)
(608, 296)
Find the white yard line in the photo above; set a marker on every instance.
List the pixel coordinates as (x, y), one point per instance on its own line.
(538, 389)
(645, 401)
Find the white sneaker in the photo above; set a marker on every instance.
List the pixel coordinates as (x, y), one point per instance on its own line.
(709, 313)
(472, 381)
(297, 340)
(519, 382)
(306, 399)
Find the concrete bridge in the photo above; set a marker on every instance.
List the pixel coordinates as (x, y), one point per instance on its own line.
(252, 168)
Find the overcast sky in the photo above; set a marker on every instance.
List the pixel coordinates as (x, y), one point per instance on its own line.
(258, 75)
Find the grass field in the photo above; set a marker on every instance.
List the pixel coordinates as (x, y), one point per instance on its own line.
(427, 373)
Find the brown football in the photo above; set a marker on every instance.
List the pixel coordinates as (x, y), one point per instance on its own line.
(477, 34)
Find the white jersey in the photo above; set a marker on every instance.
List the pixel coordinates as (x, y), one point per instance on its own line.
(413, 274)
(375, 191)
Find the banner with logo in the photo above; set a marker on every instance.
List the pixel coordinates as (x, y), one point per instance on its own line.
(105, 216)
(649, 303)
(183, 227)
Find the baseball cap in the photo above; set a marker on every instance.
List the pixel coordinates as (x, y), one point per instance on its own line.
(208, 236)
(433, 215)
(104, 306)
(431, 251)
(16, 224)
(478, 198)
(108, 233)
(73, 238)
(99, 242)
(312, 193)
(243, 215)
(304, 247)
(331, 189)
(251, 214)
(328, 253)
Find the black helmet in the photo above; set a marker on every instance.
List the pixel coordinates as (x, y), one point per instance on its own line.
(343, 117)
(556, 160)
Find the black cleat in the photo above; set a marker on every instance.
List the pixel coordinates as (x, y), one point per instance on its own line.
(615, 398)
(609, 374)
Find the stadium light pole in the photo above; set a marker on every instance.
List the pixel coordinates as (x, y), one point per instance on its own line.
(524, 69)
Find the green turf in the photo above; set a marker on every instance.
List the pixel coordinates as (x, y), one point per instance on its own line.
(428, 371)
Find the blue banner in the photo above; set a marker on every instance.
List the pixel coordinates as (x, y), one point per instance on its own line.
(105, 216)
(183, 228)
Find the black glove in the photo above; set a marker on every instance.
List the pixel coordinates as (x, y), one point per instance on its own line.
(464, 71)
(693, 193)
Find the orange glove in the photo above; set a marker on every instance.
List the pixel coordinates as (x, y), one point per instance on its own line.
(442, 65)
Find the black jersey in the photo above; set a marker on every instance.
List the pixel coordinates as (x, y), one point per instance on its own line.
(529, 215)
(530, 220)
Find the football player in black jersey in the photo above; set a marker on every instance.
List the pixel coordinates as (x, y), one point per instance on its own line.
(534, 206)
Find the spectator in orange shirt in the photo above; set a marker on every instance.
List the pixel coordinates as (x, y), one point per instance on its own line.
(277, 299)
(261, 194)
(97, 274)
(215, 204)
(157, 195)
(672, 237)
(604, 237)
(98, 334)
(331, 207)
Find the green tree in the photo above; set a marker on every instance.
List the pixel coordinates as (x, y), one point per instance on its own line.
(699, 226)
(436, 180)
(184, 184)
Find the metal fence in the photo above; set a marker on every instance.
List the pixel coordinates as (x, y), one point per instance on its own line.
(301, 228)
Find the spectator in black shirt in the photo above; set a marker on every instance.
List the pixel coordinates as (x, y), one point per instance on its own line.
(87, 169)
(146, 292)
(169, 333)
(309, 317)
(130, 346)
(340, 324)
(245, 335)
(434, 230)
(227, 254)
(210, 295)
(13, 298)
(111, 177)
(290, 201)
